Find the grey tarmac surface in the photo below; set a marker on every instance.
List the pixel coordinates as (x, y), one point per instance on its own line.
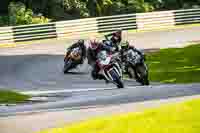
(108, 97)
(39, 67)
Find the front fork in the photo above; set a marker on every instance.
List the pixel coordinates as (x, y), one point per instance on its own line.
(116, 68)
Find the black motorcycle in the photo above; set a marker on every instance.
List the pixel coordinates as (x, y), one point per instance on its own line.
(135, 67)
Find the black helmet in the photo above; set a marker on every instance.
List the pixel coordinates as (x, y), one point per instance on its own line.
(81, 41)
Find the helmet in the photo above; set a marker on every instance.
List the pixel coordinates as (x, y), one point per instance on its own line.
(125, 45)
(119, 31)
(81, 41)
(108, 43)
(94, 44)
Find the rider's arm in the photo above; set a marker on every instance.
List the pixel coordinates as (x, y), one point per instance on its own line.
(71, 47)
(75, 45)
(84, 52)
(108, 35)
(90, 57)
(106, 47)
(139, 52)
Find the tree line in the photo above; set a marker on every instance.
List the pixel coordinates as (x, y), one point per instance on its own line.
(42, 11)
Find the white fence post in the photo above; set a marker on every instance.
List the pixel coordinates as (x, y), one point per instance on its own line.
(76, 28)
(155, 20)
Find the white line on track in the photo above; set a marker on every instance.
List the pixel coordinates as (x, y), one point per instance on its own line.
(43, 92)
(63, 91)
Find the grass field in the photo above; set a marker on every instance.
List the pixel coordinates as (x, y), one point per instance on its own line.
(175, 65)
(178, 118)
(7, 97)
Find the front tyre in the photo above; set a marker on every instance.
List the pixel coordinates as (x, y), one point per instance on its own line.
(119, 83)
(142, 74)
(131, 72)
(117, 79)
(67, 66)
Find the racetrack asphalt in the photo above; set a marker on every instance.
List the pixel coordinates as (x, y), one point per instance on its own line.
(39, 67)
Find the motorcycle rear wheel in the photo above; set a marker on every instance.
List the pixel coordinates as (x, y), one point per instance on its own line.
(142, 74)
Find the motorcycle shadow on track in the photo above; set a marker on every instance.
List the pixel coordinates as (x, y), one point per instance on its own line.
(81, 69)
(75, 73)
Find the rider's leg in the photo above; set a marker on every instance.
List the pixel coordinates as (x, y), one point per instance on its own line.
(94, 72)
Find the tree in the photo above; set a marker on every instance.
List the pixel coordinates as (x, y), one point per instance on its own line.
(19, 15)
(73, 9)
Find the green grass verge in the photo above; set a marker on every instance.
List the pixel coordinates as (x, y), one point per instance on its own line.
(178, 118)
(175, 65)
(10, 97)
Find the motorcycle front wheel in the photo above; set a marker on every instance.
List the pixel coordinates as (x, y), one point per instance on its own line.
(131, 72)
(142, 74)
(117, 79)
(67, 66)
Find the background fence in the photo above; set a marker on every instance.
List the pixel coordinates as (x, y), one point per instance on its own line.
(190, 16)
(34, 32)
(6, 36)
(111, 23)
(76, 28)
(155, 20)
(88, 26)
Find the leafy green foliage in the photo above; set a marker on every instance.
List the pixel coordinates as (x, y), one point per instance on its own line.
(22, 13)
(4, 20)
(19, 15)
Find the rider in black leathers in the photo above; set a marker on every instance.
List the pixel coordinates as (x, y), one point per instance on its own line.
(80, 44)
(124, 48)
(116, 38)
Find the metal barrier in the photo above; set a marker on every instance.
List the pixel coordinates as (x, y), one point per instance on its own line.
(6, 35)
(155, 20)
(34, 32)
(190, 16)
(111, 23)
(76, 28)
(88, 26)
